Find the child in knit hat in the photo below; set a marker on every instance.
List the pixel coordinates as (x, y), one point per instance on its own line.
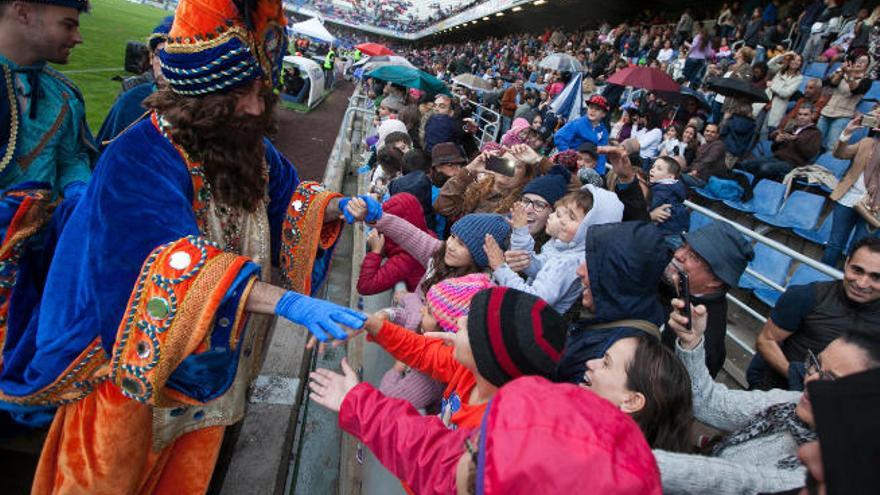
(448, 301)
(459, 255)
(551, 275)
(506, 334)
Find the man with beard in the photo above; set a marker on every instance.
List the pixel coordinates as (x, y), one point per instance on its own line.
(157, 304)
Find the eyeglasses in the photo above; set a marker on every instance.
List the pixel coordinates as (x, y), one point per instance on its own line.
(538, 206)
(813, 366)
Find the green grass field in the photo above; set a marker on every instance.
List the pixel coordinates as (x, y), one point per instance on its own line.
(105, 31)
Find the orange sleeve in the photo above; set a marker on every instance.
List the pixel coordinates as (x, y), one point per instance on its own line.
(430, 356)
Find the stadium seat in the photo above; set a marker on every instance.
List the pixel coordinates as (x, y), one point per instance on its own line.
(819, 235)
(836, 166)
(833, 67)
(865, 106)
(803, 85)
(800, 210)
(698, 220)
(766, 199)
(803, 275)
(768, 262)
(816, 69)
(750, 177)
(874, 92)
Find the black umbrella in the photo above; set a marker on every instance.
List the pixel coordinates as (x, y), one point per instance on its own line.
(683, 94)
(737, 88)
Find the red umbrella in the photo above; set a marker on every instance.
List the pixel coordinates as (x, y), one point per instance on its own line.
(373, 49)
(644, 77)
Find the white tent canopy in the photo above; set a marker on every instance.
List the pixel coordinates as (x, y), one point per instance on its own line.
(310, 69)
(313, 29)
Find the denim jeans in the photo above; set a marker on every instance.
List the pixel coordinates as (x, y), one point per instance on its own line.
(842, 222)
(693, 70)
(831, 129)
(766, 167)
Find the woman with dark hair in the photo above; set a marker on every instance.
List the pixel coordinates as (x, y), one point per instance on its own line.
(645, 380)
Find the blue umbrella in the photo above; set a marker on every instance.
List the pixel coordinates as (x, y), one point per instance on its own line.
(409, 77)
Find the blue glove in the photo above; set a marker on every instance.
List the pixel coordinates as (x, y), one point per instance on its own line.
(374, 209)
(319, 316)
(74, 190)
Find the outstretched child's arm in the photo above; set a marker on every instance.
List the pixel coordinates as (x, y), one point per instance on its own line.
(419, 244)
(428, 355)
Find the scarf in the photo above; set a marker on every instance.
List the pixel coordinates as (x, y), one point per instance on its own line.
(777, 418)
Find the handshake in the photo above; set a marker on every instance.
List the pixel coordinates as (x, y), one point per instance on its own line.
(363, 208)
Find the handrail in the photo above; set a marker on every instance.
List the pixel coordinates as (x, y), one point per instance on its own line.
(488, 128)
(782, 248)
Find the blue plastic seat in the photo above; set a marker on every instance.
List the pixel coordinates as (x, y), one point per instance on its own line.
(698, 220)
(865, 106)
(836, 166)
(874, 92)
(803, 85)
(818, 236)
(833, 67)
(858, 135)
(803, 275)
(768, 262)
(767, 197)
(800, 210)
(816, 69)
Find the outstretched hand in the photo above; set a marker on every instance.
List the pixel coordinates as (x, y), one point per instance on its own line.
(517, 260)
(322, 318)
(330, 388)
(493, 252)
(678, 322)
(518, 216)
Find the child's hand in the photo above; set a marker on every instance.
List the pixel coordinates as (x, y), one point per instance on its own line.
(661, 213)
(518, 215)
(374, 322)
(493, 252)
(517, 260)
(375, 241)
(330, 388)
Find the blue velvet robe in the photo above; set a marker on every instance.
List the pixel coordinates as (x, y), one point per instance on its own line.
(140, 197)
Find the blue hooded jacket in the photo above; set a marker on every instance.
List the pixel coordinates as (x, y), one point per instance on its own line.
(579, 131)
(625, 262)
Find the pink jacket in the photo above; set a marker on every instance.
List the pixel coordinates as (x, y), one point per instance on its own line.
(536, 437)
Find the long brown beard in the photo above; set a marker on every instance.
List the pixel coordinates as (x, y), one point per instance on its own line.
(230, 147)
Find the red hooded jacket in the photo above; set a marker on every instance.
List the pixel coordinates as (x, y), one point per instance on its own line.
(536, 437)
(376, 277)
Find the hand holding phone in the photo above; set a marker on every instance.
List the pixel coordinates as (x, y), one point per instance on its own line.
(501, 166)
(684, 293)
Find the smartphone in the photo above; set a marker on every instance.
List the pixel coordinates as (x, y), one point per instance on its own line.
(501, 166)
(684, 293)
(869, 121)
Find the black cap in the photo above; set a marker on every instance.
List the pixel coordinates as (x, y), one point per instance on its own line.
(589, 147)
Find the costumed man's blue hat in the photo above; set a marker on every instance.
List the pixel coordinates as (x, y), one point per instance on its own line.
(80, 5)
(160, 33)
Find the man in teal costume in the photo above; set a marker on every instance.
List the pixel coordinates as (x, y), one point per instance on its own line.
(44, 137)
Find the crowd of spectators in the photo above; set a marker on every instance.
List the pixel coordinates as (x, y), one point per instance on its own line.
(559, 251)
(396, 15)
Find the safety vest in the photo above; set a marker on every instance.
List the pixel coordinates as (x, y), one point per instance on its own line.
(328, 59)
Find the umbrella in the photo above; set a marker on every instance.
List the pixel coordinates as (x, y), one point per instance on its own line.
(683, 94)
(737, 88)
(569, 104)
(374, 49)
(561, 62)
(409, 77)
(473, 82)
(646, 78)
(371, 63)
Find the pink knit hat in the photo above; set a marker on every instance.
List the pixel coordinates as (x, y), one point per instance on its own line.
(449, 300)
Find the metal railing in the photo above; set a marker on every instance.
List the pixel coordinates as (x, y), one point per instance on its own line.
(488, 127)
(778, 246)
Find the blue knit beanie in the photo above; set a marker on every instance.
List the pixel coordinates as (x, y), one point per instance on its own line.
(471, 230)
(551, 187)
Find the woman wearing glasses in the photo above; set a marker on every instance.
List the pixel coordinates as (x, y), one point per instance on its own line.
(762, 429)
